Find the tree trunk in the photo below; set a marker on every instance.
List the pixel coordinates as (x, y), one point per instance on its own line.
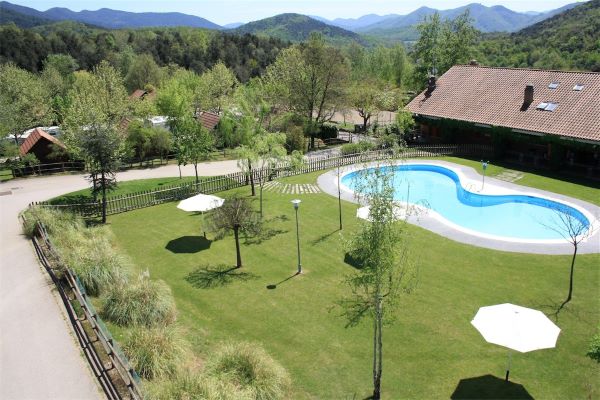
(377, 349)
(365, 122)
(251, 178)
(179, 166)
(261, 197)
(236, 233)
(196, 172)
(571, 275)
(103, 198)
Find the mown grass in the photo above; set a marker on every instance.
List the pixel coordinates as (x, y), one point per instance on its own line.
(5, 175)
(123, 188)
(432, 345)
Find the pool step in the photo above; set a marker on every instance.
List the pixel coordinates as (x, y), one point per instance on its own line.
(509, 175)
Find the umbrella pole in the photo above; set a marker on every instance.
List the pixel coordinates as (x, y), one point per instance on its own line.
(508, 366)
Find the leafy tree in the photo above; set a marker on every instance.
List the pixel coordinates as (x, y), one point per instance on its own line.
(143, 71)
(308, 79)
(443, 44)
(379, 252)
(24, 101)
(93, 127)
(139, 139)
(217, 85)
(368, 97)
(235, 215)
(194, 142)
(162, 142)
(594, 349)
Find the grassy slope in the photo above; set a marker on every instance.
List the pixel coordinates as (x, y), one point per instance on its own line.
(429, 349)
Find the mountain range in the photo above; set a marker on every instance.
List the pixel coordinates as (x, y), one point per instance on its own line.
(290, 26)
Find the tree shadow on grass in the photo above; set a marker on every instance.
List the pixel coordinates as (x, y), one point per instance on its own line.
(265, 233)
(489, 387)
(188, 244)
(323, 238)
(221, 275)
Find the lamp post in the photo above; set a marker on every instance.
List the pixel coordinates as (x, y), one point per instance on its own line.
(484, 165)
(296, 204)
(339, 194)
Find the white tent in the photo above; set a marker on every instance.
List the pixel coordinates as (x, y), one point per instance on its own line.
(200, 203)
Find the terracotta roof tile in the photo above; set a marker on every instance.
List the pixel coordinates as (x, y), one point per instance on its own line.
(35, 136)
(208, 119)
(495, 96)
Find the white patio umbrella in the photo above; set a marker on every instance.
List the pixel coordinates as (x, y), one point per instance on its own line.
(200, 203)
(363, 212)
(515, 327)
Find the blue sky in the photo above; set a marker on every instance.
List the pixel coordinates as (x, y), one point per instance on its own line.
(226, 11)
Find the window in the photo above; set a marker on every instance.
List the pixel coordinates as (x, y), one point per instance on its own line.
(578, 87)
(547, 106)
(553, 85)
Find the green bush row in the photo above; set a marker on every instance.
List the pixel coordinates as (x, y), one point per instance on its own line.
(360, 147)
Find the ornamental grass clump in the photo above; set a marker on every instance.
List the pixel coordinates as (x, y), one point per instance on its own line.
(250, 369)
(143, 302)
(92, 257)
(53, 219)
(155, 353)
(190, 386)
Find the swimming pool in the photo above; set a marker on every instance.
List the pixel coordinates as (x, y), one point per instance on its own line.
(511, 216)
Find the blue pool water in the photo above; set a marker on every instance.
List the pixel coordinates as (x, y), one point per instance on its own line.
(511, 216)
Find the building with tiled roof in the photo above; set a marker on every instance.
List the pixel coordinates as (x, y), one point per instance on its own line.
(539, 116)
(40, 143)
(208, 120)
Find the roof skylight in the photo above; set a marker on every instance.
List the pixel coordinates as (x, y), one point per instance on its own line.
(547, 106)
(553, 85)
(542, 106)
(578, 87)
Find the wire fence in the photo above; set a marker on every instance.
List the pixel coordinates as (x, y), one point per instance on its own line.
(111, 367)
(134, 201)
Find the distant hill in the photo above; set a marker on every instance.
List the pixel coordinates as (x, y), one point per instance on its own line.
(233, 25)
(8, 15)
(296, 28)
(485, 19)
(355, 24)
(107, 18)
(568, 40)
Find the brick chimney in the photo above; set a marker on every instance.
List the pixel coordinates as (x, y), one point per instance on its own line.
(431, 84)
(528, 97)
(474, 63)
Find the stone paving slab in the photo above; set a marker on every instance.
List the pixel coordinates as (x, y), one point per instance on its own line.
(286, 188)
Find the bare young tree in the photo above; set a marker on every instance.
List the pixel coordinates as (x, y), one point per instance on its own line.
(574, 229)
(379, 251)
(235, 215)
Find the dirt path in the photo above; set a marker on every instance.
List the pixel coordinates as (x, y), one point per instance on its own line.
(39, 356)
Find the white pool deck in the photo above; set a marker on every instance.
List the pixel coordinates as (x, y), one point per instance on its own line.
(472, 181)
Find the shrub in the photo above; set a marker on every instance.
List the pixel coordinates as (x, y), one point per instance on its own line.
(195, 387)
(295, 140)
(248, 367)
(154, 352)
(594, 349)
(354, 148)
(328, 132)
(145, 302)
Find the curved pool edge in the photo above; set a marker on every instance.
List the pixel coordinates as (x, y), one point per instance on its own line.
(470, 178)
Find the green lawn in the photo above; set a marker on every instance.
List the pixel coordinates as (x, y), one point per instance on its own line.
(431, 346)
(125, 187)
(5, 175)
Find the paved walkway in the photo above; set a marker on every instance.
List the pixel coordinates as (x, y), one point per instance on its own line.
(471, 180)
(39, 356)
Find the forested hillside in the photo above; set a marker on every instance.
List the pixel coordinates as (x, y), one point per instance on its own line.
(570, 40)
(297, 28)
(195, 49)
